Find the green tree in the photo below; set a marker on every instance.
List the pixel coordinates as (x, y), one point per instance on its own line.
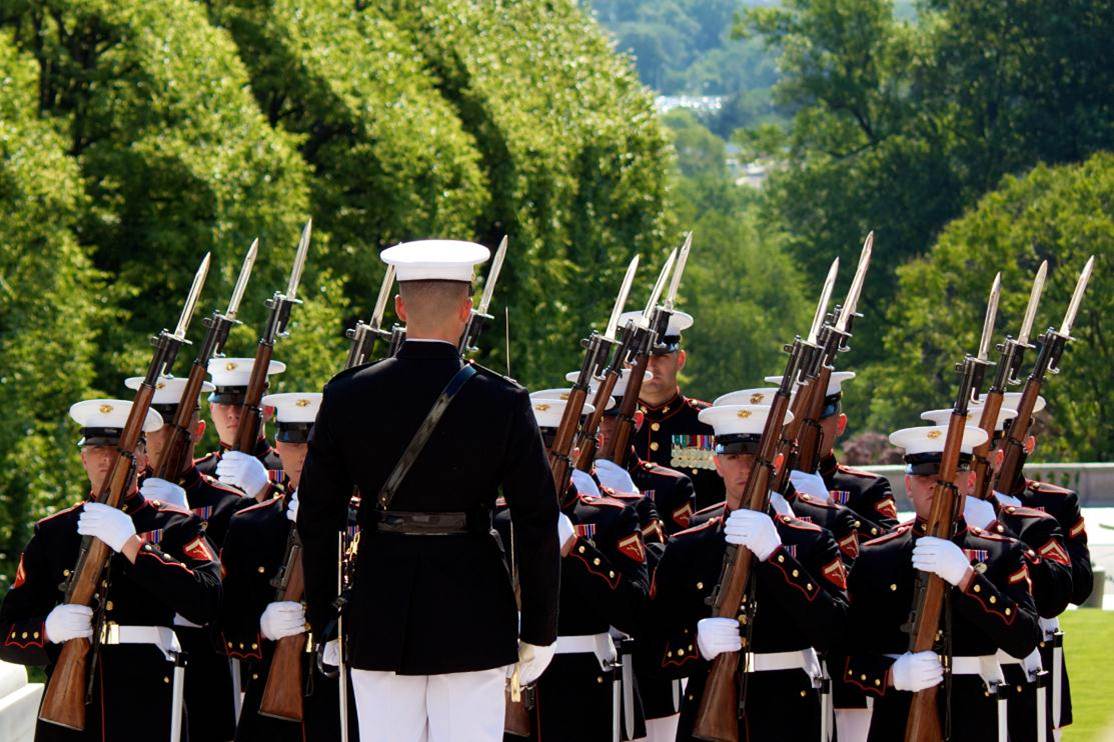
(1060, 214)
(47, 306)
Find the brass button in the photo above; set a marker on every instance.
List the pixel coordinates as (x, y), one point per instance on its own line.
(1008, 611)
(1019, 689)
(993, 599)
(795, 573)
(260, 570)
(655, 427)
(611, 573)
(803, 694)
(665, 409)
(254, 645)
(877, 682)
(24, 634)
(35, 635)
(681, 652)
(230, 645)
(850, 674)
(582, 548)
(781, 557)
(700, 586)
(863, 676)
(108, 606)
(596, 561)
(808, 586)
(255, 676)
(599, 678)
(977, 588)
(858, 523)
(166, 678)
(694, 471)
(654, 446)
(893, 587)
(65, 573)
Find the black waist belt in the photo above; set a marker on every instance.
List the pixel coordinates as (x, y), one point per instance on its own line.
(432, 524)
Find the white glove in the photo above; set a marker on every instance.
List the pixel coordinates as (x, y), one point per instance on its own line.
(565, 530)
(282, 618)
(330, 655)
(810, 484)
(292, 508)
(941, 557)
(978, 513)
(754, 530)
(159, 489)
(914, 672)
(584, 483)
(69, 621)
(715, 636)
(113, 527)
(243, 471)
(532, 661)
(614, 476)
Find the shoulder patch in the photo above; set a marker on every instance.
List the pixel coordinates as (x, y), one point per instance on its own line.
(1048, 489)
(989, 535)
(608, 501)
(856, 472)
(816, 501)
(709, 509)
(898, 531)
(1025, 512)
(63, 511)
(695, 529)
(488, 373)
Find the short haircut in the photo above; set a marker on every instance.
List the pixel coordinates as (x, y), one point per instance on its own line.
(433, 299)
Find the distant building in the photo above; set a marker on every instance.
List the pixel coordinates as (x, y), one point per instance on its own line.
(697, 103)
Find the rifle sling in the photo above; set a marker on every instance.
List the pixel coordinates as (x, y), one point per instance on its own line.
(421, 437)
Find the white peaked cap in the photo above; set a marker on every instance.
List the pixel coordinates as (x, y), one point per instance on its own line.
(738, 419)
(563, 395)
(435, 260)
(548, 411)
(974, 416)
(678, 321)
(835, 384)
(168, 389)
(294, 407)
(1013, 401)
(110, 413)
(760, 395)
(620, 384)
(237, 371)
(931, 438)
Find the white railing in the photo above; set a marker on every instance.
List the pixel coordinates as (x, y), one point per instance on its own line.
(19, 704)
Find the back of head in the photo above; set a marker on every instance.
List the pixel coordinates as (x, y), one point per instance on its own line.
(433, 303)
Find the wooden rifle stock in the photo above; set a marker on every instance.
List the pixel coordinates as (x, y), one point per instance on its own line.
(282, 694)
(586, 441)
(1013, 443)
(175, 456)
(923, 724)
(981, 454)
(251, 414)
(65, 694)
(717, 718)
(787, 450)
(810, 433)
(563, 440)
(618, 444)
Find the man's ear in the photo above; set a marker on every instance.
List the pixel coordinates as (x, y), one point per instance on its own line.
(1030, 444)
(400, 308)
(681, 357)
(199, 431)
(970, 475)
(719, 468)
(997, 458)
(841, 425)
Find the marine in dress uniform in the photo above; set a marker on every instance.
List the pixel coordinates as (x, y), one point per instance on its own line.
(208, 693)
(869, 496)
(671, 433)
(230, 376)
(989, 602)
(253, 618)
(604, 584)
(433, 625)
(163, 566)
(798, 606)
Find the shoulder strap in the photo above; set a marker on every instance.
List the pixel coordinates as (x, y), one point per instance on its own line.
(425, 430)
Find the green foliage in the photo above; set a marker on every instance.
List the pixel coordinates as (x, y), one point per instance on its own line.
(47, 305)
(1062, 215)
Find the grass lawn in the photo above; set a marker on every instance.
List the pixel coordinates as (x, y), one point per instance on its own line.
(1089, 652)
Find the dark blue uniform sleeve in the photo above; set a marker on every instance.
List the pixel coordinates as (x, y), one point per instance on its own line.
(25, 608)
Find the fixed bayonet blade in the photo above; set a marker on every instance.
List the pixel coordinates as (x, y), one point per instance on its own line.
(991, 315)
(299, 261)
(822, 307)
(242, 280)
(621, 299)
(1034, 302)
(656, 293)
(381, 300)
(493, 276)
(1077, 297)
(678, 271)
(851, 303)
(191, 298)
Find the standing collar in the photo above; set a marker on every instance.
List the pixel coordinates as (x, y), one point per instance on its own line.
(427, 349)
(671, 404)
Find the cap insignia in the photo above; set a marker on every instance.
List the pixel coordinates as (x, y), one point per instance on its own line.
(933, 434)
(541, 407)
(105, 409)
(744, 414)
(302, 403)
(230, 366)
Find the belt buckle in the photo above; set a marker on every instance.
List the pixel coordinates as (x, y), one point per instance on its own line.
(110, 632)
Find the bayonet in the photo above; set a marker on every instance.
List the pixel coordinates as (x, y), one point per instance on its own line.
(822, 306)
(381, 300)
(191, 298)
(1077, 297)
(493, 276)
(1034, 302)
(299, 261)
(991, 315)
(678, 271)
(851, 303)
(658, 286)
(621, 299)
(242, 280)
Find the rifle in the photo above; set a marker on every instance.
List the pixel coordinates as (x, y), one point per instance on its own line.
(251, 414)
(70, 685)
(479, 319)
(176, 454)
(832, 339)
(718, 715)
(586, 440)
(1052, 346)
(1009, 363)
(640, 337)
(363, 335)
(923, 724)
